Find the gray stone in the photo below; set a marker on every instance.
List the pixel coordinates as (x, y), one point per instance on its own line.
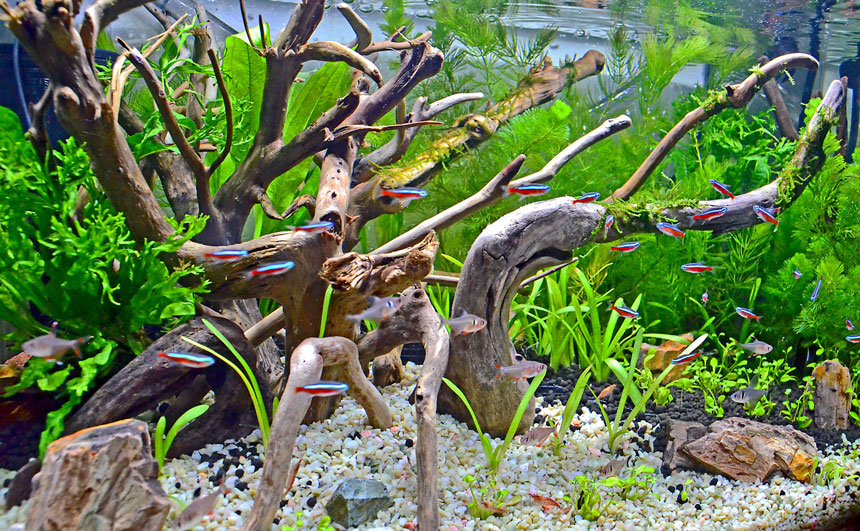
(355, 501)
(680, 432)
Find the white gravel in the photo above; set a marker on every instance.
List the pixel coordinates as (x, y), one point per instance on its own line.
(330, 455)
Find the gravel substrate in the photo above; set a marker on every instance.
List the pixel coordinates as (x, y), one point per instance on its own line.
(343, 446)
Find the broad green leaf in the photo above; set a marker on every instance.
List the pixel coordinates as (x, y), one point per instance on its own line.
(54, 380)
(245, 73)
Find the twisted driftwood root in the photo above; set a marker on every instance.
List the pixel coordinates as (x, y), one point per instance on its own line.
(545, 233)
(306, 366)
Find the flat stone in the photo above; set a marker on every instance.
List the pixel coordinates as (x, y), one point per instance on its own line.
(663, 356)
(747, 450)
(832, 395)
(21, 486)
(356, 501)
(102, 478)
(681, 432)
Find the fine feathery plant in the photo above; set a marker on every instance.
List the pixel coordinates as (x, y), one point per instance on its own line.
(161, 444)
(496, 455)
(246, 374)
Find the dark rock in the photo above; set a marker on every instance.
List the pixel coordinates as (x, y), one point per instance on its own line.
(21, 485)
(355, 501)
(680, 432)
(241, 485)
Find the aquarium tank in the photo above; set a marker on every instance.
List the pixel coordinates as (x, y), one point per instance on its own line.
(429, 264)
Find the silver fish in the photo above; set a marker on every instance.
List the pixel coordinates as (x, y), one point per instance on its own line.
(757, 347)
(465, 323)
(747, 395)
(50, 347)
(378, 309)
(197, 509)
(523, 369)
(613, 468)
(536, 436)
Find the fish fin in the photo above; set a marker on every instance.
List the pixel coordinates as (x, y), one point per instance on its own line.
(371, 300)
(499, 369)
(461, 313)
(354, 319)
(505, 192)
(290, 227)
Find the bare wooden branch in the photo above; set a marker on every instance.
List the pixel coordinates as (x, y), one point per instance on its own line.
(248, 29)
(228, 115)
(98, 16)
(306, 364)
(736, 96)
(332, 52)
(391, 44)
(162, 16)
(308, 202)
(37, 134)
(780, 111)
(363, 33)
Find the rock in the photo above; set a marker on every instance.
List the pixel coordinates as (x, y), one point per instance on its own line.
(747, 450)
(680, 432)
(832, 395)
(21, 486)
(387, 368)
(663, 356)
(101, 478)
(356, 501)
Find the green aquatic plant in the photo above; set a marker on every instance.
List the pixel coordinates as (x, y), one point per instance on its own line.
(161, 443)
(795, 411)
(495, 456)
(246, 374)
(323, 525)
(570, 409)
(492, 501)
(588, 499)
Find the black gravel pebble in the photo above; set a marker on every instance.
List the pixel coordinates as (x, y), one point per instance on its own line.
(163, 407)
(6, 482)
(671, 488)
(409, 443)
(235, 452)
(238, 511)
(309, 483)
(680, 499)
(539, 419)
(241, 485)
(240, 472)
(782, 493)
(312, 501)
(276, 521)
(680, 487)
(283, 503)
(698, 506)
(177, 485)
(257, 462)
(714, 481)
(197, 492)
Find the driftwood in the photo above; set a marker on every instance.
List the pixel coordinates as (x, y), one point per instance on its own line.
(545, 233)
(306, 365)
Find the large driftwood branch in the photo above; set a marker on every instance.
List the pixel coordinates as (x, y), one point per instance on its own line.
(492, 192)
(545, 233)
(363, 33)
(780, 111)
(736, 96)
(306, 365)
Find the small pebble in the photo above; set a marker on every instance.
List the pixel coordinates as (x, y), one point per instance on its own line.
(671, 488)
(312, 501)
(239, 473)
(241, 485)
(276, 521)
(714, 481)
(698, 507)
(409, 443)
(178, 485)
(283, 503)
(257, 462)
(197, 492)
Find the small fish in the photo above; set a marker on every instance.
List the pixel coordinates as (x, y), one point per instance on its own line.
(323, 388)
(626, 247)
(522, 370)
(526, 190)
(625, 312)
(853, 339)
(377, 310)
(815, 291)
(747, 395)
(797, 274)
(320, 226)
(849, 325)
(52, 348)
(198, 509)
(705, 298)
(721, 188)
(757, 347)
(747, 313)
(228, 254)
(195, 361)
(613, 468)
(606, 392)
(586, 198)
(687, 358)
(711, 214)
(696, 268)
(273, 269)
(765, 215)
(465, 323)
(610, 219)
(536, 436)
(404, 195)
(670, 230)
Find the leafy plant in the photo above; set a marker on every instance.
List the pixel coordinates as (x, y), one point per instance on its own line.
(491, 501)
(324, 524)
(570, 409)
(161, 444)
(247, 377)
(796, 411)
(496, 455)
(640, 477)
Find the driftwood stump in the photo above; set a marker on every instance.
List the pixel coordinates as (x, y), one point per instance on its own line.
(101, 478)
(832, 395)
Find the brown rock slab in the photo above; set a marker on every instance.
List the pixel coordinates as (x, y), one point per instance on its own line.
(663, 356)
(102, 478)
(747, 450)
(832, 395)
(680, 433)
(21, 486)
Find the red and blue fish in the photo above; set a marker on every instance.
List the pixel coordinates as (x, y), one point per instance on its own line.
(323, 388)
(626, 247)
(227, 254)
(848, 324)
(765, 215)
(746, 313)
(670, 230)
(194, 361)
(705, 298)
(797, 274)
(721, 188)
(625, 312)
(711, 214)
(526, 190)
(587, 198)
(686, 358)
(404, 195)
(816, 290)
(696, 268)
(853, 339)
(319, 226)
(272, 269)
(610, 219)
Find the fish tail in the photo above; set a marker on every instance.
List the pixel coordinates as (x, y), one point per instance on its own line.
(505, 191)
(499, 369)
(290, 227)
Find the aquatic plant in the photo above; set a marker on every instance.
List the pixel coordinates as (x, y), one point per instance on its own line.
(492, 501)
(588, 499)
(570, 409)
(161, 444)
(795, 411)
